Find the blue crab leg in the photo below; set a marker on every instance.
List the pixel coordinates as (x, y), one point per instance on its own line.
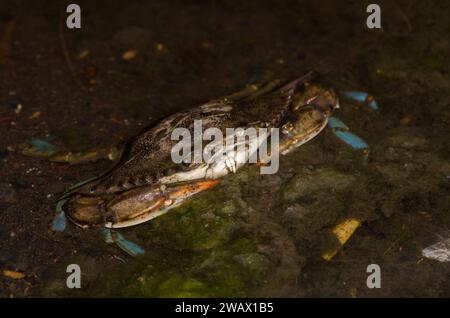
(361, 97)
(75, 187)
(79, 184)
(60, 220)
(342, 131)
(40, 148)
(351, 139)
(59, 224)
(43, 148)
(336, 123)
(129, 247)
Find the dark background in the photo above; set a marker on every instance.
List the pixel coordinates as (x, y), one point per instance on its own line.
(264, 238)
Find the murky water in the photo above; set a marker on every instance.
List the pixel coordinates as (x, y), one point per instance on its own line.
(254, 235)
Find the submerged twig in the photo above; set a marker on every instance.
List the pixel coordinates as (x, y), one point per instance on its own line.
(392, 245)
(5, 45)
(66, 55)
(404, 17)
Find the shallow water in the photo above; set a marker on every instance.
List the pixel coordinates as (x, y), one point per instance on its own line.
(254, 235)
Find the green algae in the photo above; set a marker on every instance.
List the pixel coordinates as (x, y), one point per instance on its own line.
(218, 253)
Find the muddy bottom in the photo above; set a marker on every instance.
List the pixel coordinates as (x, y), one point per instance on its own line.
(254, 235)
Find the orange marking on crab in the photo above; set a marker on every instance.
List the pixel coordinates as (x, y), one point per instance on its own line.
(191, 188)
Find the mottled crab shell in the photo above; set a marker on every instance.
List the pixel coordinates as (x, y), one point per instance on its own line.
(147, 158)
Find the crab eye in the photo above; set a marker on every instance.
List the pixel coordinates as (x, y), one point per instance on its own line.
(109, 218)
(287, 128)
(336, 105)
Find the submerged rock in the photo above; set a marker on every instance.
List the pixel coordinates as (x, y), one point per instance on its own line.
(7, 193)
(408, 139)
(254, 262)
(132, 37)
(311, 181)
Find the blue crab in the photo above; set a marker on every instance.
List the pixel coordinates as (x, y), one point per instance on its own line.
(146, 183)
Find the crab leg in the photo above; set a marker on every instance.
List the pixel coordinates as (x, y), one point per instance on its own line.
(92, 155)
(43, 148)
(60, 220)
(255, 89)
(127, 246)
(37, 147)
(361, 97)
(342, 131)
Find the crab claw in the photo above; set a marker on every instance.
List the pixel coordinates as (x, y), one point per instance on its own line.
(361, 97)
(86, 211)
(145, 203)
(131, 207)
(182, 191)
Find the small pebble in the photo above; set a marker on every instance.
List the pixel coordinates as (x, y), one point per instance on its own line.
(7, 193)
(82, 54)
(129, 55)
(35, 115)
(18, 109)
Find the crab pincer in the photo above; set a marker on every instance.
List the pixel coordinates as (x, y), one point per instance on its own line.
(145, 203)
(126, 209)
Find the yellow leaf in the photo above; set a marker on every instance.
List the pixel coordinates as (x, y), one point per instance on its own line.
(343, 231)
(13, 274)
